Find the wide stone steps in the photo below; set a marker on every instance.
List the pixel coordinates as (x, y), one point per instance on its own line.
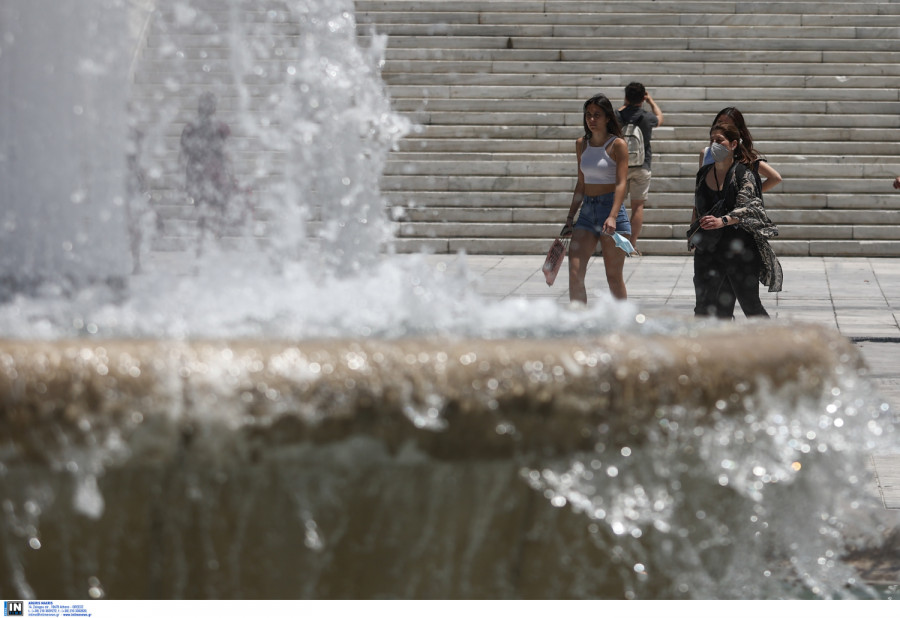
(495, 87)
(495, 90)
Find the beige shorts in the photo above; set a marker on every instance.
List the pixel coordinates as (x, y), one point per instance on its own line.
(638, 183)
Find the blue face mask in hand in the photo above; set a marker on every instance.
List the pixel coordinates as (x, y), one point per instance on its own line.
(719, 152)
(624, 244)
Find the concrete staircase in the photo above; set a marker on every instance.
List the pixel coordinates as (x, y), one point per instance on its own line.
(496, 89)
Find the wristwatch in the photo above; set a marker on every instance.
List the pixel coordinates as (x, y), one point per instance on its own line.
(725, 220)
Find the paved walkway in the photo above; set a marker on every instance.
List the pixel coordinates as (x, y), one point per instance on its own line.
(860, 297)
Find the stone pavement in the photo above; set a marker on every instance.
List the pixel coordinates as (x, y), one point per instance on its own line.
(860, 297)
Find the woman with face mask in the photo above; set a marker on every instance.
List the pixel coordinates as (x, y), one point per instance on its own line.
(769, 176)
(729, 232)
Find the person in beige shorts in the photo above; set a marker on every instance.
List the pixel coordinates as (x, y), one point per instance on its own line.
(639, 176)
(638, 187)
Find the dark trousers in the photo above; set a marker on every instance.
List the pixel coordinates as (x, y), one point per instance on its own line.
(728, 272)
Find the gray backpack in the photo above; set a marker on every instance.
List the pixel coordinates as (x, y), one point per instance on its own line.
(634, 138)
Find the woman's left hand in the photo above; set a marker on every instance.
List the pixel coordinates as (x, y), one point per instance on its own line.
(609, 226)
(710, 222)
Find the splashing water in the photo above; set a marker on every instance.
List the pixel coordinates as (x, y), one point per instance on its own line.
(298, 377)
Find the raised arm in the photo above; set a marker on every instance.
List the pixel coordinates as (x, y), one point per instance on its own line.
(655, 109)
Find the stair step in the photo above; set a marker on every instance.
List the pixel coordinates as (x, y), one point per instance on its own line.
(645, 36)
(565, 168)
(718, 93)
(667, 134)
(624, 18)
(565, 144)
(849, 59)
(652, 216)
(710, 107)
(553, 68)
(538, 247)
(510, 39)
(570, 78)
(639, 7)
(676, 230)
(657, 199)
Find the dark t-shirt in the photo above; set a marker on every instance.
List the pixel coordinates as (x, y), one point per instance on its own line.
(646, 122)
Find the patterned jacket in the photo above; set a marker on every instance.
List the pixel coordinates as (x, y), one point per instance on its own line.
(747, 205)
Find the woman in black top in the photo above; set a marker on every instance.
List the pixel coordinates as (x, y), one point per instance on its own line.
(730, 231)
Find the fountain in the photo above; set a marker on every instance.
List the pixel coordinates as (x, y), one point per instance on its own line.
(67, 185)
(310, 416)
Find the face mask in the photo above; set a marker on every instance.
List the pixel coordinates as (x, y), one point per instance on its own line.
(719, 152)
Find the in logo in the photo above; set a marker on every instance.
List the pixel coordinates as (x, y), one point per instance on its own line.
(13, 608)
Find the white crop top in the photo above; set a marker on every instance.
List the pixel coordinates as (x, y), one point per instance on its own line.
(597, 166)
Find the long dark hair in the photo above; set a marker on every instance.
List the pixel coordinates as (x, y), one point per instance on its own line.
(737, 118)
(731, 132)
(612, 122)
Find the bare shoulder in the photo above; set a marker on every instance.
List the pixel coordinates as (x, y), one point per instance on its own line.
(579, 146)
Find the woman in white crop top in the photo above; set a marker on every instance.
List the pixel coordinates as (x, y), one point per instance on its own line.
(600, 194)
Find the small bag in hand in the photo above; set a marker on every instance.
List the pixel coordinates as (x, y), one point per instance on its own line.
(555, 257)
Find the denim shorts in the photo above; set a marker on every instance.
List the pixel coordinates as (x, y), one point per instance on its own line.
(595, 211)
